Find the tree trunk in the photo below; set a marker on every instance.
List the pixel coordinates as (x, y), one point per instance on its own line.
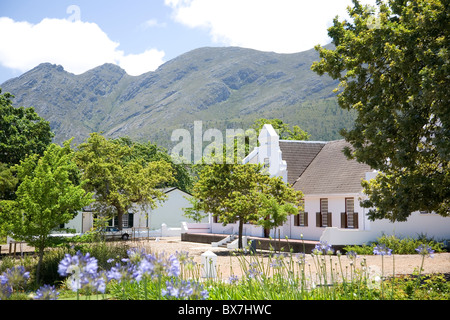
(120, 212)
(241, 229)
(38, 268)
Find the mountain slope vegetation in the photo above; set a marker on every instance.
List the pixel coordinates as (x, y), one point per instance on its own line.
(226, 87)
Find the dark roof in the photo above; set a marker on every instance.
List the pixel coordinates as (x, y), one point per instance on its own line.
(298, 155)
(330, 172)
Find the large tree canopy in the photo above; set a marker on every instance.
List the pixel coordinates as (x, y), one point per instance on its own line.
(49, 195)
(152, 152)
(393, 65)
(119, 177)
(244, 193)
(22, 132)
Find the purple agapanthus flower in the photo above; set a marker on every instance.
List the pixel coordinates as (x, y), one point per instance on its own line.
(14, 277)
(351, 255)
(46, 292)
(323, 248)
(182, 289)
(173, 268)
(77, 264)
(382, 250)
(127, 272)
(425, 250)
(5, 291)
(253, 272)
(233, 279)
(82, 269)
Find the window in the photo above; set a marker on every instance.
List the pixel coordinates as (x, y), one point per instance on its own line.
(324, 211)
(349, 218)
(350, 210)
(127, 221)
(301, 219)
(323, 218)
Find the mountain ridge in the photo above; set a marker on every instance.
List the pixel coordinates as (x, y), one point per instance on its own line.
(225, 87)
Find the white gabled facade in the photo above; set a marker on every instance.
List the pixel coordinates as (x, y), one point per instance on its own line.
(268, 153)
(335, 217)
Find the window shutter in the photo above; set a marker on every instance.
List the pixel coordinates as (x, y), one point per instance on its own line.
(329, 224)
(343, 220)
(306, 218)
(130, 220)
(355, 220)
(318, 219)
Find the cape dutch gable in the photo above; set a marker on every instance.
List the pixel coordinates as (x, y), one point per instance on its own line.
(332, 190)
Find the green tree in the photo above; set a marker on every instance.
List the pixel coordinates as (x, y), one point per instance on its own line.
(284, 130)
(22, 133)
(119, 177)
(392, 62)
(46, 198)
(152, 152)
(233, 193)
(8, 181)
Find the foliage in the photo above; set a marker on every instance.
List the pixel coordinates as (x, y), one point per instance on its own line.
(22, 132)
(117, 272)
(119, 177)
(283, 129)
(257, 84)
(8, 182)
(399, 246)
(195, 211)
(47, 197)
(393, 70)
(152, 152)
(244, 193)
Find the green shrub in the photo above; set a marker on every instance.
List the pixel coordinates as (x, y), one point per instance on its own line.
(399, 246)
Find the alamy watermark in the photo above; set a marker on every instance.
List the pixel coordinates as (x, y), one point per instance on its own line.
(75, 13)
(212, 146)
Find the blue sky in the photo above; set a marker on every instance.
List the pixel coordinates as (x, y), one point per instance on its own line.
(140, 35)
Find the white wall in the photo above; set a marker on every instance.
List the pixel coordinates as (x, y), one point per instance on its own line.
(336, 205)
(76, 223)
(169, 212)
(417, 224)
(269, 149)
(431, 225)
(233, 228)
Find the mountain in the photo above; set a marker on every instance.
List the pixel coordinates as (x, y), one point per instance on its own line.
(226, 87)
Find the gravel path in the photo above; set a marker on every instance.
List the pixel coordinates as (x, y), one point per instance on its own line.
(228, 264)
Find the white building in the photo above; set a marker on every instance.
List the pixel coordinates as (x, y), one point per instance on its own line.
(332, 190)
(169, 212)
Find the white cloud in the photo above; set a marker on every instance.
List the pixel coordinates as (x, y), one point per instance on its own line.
(154, 23)
(149, 60)
(283, 26)
(76, 45)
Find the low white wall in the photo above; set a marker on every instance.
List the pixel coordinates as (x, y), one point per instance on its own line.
(198, 227)
(233, 228)
(430, 225)
(164, 231)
